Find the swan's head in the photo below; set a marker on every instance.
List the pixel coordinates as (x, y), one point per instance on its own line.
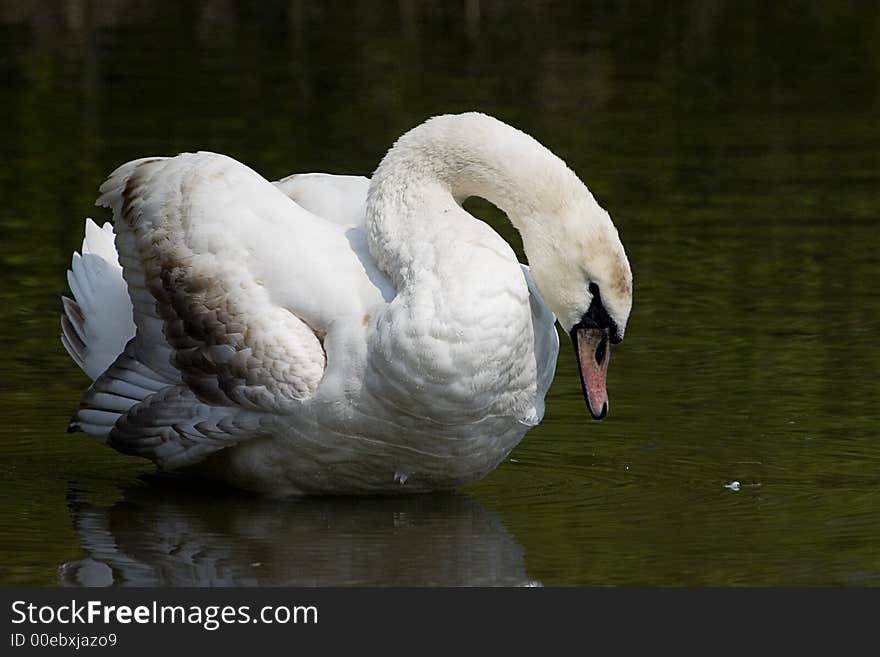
(584, 276)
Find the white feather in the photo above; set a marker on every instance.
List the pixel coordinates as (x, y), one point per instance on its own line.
(99, 323)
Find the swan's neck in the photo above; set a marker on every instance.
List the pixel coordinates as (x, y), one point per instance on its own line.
(416, 190)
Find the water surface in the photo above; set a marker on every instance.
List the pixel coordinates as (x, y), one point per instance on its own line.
(737, 147)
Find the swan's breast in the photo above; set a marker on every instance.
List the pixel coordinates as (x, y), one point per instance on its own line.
(457, 345)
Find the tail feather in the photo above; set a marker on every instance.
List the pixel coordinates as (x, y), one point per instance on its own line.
(97, 322)
(73, 331)
(100, 241)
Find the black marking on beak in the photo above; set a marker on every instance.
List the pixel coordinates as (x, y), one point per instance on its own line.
(597, 317)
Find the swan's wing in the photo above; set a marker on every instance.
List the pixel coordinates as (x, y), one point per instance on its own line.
(340, 199)
(546, 341)
(232, 285)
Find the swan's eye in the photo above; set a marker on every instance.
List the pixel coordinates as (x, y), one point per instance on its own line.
(600, 350)
(594, 289)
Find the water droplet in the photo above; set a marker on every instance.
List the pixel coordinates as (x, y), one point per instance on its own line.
(733, 485)
(400, 478)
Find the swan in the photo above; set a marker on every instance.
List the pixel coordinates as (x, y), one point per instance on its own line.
(333, 334)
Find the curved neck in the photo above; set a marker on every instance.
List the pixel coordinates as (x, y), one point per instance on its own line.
(440, 163)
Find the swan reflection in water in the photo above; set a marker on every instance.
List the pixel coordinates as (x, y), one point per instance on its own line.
(180, 536)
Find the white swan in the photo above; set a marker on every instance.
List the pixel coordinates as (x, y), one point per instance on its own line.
(330, 334)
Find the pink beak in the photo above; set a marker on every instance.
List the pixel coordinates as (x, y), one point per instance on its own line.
(593, 352)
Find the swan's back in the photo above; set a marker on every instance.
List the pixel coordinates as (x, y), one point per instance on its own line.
(340, 199)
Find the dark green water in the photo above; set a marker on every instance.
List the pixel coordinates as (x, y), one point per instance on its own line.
(737, 146)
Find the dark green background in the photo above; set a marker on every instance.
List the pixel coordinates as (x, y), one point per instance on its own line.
(737, 147)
